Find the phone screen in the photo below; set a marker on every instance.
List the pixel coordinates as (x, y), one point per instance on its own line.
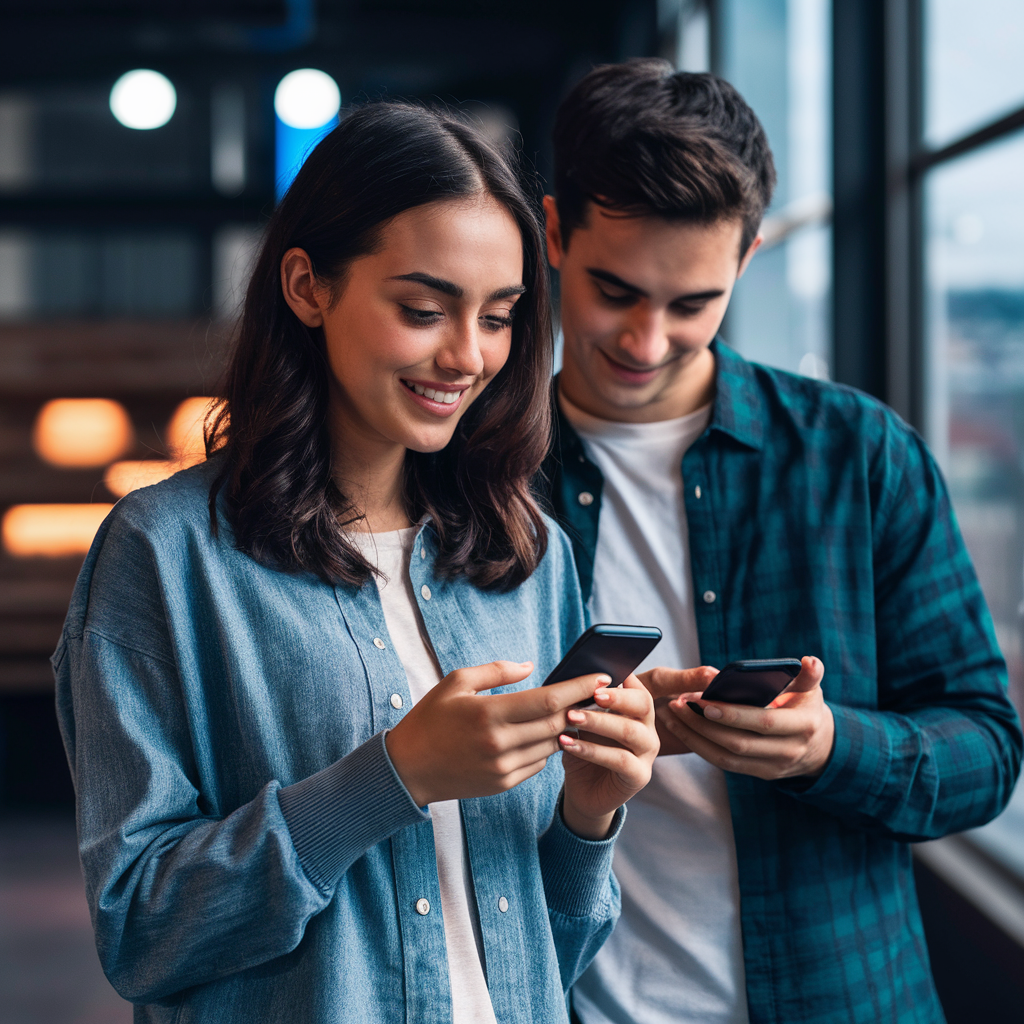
(607, 647)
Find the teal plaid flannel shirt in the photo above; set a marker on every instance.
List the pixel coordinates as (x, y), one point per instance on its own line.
(822, 525)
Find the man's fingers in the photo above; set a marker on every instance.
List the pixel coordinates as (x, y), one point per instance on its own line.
(667, 682)
(810, 676)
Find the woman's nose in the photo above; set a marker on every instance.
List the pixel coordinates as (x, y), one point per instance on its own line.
(461, 352)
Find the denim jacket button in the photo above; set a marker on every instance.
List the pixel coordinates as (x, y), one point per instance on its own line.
(423, 907)
(425, 591)
(396, 701)
(696, 491)
(503, 904)
(378, 643)
(585, 498)
(709, 597)
(423, 552)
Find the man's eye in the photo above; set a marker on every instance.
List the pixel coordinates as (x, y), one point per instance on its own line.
(624, 299)
(420, 316)
(689, 310)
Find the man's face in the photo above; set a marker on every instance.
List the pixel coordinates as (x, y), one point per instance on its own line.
(642, 298)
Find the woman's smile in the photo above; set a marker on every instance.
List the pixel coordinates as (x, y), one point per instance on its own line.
(438, 398)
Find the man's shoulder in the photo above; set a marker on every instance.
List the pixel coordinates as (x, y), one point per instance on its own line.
(825, 411)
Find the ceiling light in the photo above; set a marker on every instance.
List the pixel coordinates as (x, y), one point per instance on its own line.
(143, 99)
(51, 531)
(307, 98)
(76, 433)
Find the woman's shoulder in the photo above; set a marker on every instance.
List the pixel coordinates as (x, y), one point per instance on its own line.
(166, 509)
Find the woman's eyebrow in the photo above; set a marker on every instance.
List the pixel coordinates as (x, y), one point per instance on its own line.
(455, 291)
(437, 283)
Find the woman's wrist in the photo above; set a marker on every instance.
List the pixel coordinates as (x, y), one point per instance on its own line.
(584, 825)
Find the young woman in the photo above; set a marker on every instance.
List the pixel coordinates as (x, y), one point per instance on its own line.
(298, 683)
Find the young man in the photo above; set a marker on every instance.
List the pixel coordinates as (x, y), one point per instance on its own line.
(752, 513)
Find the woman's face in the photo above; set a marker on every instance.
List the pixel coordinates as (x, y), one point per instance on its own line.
(420, 327)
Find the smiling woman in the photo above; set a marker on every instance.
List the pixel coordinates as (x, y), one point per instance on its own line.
(313, 781)
(407, 222)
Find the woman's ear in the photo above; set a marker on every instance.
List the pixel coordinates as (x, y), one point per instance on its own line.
(298, 282)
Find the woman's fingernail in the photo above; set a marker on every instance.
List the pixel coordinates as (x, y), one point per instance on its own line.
(576, 716)
(602, 696)
(567, 741)
(710, 711)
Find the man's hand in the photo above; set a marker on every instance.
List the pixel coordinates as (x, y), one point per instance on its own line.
(611, 760)
(792, 736)
(666, 683)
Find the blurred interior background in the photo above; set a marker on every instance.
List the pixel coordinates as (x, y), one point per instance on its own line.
(143, 144)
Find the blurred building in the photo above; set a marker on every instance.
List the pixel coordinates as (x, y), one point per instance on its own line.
(130, 207)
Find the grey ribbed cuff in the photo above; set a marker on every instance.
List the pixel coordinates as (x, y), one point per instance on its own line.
(335, 816)
(577, 871)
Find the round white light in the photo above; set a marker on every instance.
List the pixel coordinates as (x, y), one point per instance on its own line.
(143, 99)
(307, 98)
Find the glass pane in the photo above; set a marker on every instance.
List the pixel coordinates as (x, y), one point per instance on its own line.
(974, 64)
(975, 267)
(777, 53)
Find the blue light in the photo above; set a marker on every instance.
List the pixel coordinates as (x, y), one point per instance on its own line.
(291, 147)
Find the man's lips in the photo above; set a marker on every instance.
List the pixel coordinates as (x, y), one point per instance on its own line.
(629, 375)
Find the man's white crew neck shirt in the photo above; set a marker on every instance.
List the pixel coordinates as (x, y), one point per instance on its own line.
(676, 955)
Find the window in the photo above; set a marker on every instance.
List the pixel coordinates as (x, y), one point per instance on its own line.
(973, 313)
(777, 56)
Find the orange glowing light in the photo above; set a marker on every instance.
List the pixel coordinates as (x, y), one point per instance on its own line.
(51, 531)
(185, 431)
(123, 477)
(82, 432)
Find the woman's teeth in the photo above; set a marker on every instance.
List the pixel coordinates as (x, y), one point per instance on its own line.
(445, 397)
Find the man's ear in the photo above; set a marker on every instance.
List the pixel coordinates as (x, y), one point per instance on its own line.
(749, 254)
(298, 283)
(553, 232)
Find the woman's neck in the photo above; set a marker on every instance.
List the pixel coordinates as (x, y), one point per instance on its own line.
(370, 472)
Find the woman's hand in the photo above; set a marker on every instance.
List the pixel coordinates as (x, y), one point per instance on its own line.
(612, 759)
(457, 742)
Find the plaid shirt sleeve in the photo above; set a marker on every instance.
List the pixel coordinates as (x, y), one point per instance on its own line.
(942, 751)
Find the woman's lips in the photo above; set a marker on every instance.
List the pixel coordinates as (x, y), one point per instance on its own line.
(440, 399)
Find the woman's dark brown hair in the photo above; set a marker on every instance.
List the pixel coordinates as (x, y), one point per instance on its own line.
(272, 431)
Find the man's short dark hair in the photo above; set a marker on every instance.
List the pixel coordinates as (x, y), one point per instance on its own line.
(644, 139)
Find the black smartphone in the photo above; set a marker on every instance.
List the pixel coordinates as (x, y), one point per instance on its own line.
(756, 682)
(606, 647)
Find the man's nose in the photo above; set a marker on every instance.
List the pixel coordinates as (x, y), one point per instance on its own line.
(645, 339)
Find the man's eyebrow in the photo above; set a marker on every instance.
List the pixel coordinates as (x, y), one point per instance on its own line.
(455, 291)
(612, 279)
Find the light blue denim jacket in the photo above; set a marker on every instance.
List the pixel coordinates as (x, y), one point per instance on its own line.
(249, 852)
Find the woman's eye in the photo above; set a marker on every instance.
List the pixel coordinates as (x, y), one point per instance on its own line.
(495, 322)
(420, 316)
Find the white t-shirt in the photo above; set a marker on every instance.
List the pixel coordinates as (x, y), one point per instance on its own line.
(471, 1001)
(676, 955)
